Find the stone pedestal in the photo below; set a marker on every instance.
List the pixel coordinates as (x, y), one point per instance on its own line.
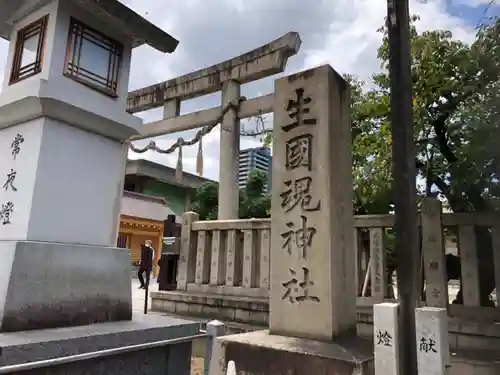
(258, 353)
(60, 344)
(47, 285)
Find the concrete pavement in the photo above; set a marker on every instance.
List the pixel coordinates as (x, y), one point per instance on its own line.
(138, 295)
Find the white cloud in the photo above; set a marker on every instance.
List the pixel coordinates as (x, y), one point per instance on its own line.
(339, 32)
(352, 42)
(471, 3)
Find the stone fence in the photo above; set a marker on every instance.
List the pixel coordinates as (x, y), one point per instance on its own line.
(224, 267)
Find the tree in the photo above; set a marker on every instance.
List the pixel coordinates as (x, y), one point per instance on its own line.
(254, 202)
(456, 124)
(206, 201)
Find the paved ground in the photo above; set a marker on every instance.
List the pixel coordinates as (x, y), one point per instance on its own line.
(197, 360)
(138, 306)
(138, 294)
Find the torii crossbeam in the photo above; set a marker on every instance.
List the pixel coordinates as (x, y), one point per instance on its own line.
(227, 77)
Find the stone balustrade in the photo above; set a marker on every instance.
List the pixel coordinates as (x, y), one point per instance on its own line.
(228, 257)
(224, 270)
(231, 257)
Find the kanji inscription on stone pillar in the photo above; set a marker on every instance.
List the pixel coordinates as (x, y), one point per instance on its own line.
(312, 262)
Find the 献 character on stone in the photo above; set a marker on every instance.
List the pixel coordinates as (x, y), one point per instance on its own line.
(427, 345)
(302, 237)
(299, 191)
(298, 291)
(298, 110)
(384, 338)
(15, 146)
(9, 183)
(298, 152)
(6, 213)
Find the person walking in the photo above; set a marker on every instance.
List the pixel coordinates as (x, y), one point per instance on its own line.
(146, 263)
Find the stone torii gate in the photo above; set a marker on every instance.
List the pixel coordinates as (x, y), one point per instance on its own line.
(227, 77)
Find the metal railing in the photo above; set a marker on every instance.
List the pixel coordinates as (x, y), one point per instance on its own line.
(93, 355)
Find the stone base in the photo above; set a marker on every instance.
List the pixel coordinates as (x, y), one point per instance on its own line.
(32, 346)
(260, 353)
(464, 334)
(242, 310)
(50, 285)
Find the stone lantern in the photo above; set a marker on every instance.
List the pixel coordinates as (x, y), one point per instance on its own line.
(63, 127)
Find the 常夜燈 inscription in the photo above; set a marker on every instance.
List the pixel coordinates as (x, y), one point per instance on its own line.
(15, 146)
(302, 237)
(298, 152)
(6, 213)
(7, 209)
(298, 291)
(9, 183)
(299, 192)
(298, 110)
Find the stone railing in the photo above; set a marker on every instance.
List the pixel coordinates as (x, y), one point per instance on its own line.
(231, 257)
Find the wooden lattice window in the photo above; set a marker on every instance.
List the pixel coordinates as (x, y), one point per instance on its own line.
(93, 59)
(28, 52)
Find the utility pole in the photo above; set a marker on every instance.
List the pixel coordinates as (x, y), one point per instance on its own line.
(404, 188)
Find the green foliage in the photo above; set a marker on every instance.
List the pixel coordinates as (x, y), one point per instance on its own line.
(254, 203)
(205, 202)
(456, 122)
(455, 114)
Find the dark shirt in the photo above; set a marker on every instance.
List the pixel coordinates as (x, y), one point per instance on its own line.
(146, 257)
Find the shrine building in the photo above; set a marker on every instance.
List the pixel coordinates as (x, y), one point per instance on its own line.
(152, 205)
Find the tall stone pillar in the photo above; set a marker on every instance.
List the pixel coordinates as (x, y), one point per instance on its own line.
(229, 154)
(312, 262)
(312, 317)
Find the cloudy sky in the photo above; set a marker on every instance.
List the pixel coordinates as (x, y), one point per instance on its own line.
(341, 33)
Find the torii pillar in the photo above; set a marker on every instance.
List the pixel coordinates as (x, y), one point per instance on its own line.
(229, 154)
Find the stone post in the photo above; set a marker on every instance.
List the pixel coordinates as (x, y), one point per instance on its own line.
(229, 154)
(312, 292)
(214, 330)
(436, 291)
(433, 347)
(187, 259)
(385, 335)
(231, 368)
